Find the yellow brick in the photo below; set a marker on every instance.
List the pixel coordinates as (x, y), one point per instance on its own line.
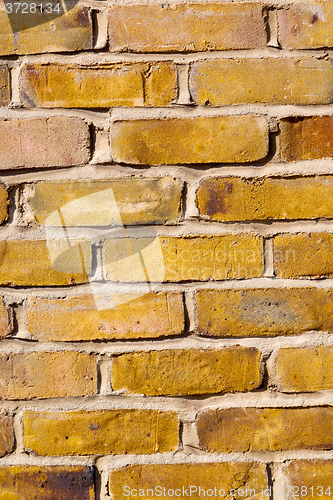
(229, 476)
(105, 432)
(6, 319)
(97, 203)
(4, 86)
(265, 429)
(314, 475)
(6, 436)
(78, 318)
(58, 482)
(306, 369)
(41, 32)
(198, 258)
(179, 372)
(264, 198)
(47, 375)
(223, 82)
(4, 202)
(42, 263)
(99, 85)
(186, 28)
(264, 312)
(306, 26)
(305, 254)
(227, 139)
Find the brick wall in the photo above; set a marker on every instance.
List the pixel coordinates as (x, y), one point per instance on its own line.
(166, 207)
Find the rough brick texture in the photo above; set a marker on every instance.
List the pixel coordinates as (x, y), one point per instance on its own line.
(186, 28)
(187, 372)
(4, 86)
(264, 312)
(47, 375)
(6, 319)
(265, 429)
(315, 475)
(227, 139)
(6, 434)
(100, 432)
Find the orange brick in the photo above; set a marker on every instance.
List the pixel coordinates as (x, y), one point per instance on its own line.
(224, 82)
(4, 86)
(138, 201)
(47, 375)
(104, 432)
(6, 436)
(266, 198)
(187, 258)
(306, 25)
(33, 33)
(44, 263)
(231, 476)
(186, 28)
(306, 138)
(54, 85)
(176, 372)
(314, 475)
(213, 139)
(306, 369)
(261, 312)
(265, 429)
(58, 141)
(58, 482)
(304, 254)
(133, 317)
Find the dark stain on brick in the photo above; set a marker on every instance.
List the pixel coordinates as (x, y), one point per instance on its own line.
(215, 194)
(314, 18)
(82, 17)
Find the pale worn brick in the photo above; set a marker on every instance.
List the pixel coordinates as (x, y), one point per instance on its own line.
(306, 25)
(265, 429)
(304, 254)
(98, 85)
(305, 369)
(186, 28)
(195, 258)
(261, 312)
(177, 372)
(59, 482)
(39, 32)
(306, 138)
(44, 263)
(266, 198)
(47, 375)
(214, 139)
(103, 432)
(4, 86)
(224, 82)
(6, 319)
(7, 439)
(315, 476)
(58, 141)
(103, 202)
(134, 316)
(231, 476)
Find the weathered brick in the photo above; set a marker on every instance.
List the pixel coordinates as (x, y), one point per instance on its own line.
(198, 258)
(223, 82)
(44, 263)
(306, 25)
(78, 318)
(100, 203)
(58, 482)
(58, 141)
(4, 86)
(6, 319)
(264, 198)
(33, 33)
(105, 432)
(6, 436)
(52, 85)
(231, 476)
(306, 138)
(260, 312)
(186, 28)
(4, 202)
(314, 475)
(304, 254)
(265, 429)
(179, 372)
(47, 375)
(214, 139)
(305, 369)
